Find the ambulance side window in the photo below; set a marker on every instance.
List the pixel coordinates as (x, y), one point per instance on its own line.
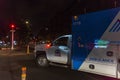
(61, 41)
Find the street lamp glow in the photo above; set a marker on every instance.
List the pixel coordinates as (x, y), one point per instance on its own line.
(27, 22)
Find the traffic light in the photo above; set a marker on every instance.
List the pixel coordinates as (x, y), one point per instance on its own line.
(12, 26)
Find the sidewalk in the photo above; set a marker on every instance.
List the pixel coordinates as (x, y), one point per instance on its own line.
(5, 73)
(10, 69)
(8, 64)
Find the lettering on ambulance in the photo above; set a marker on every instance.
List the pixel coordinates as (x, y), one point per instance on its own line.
(101, 60)
(58, 53)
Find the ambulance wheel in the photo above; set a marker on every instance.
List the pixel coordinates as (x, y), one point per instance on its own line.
(42, 61)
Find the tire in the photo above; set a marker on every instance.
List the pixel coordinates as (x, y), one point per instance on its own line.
(42, 61)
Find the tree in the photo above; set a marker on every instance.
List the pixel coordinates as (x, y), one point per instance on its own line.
(25, 33)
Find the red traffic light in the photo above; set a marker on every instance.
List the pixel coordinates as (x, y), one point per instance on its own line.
(12, 25)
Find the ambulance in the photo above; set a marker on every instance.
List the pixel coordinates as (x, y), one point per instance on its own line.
(93, 46)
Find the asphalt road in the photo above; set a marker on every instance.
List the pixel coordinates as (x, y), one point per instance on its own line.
(11, 63)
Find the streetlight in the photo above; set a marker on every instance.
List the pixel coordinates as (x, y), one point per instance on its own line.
(27, 22)
(28, 27)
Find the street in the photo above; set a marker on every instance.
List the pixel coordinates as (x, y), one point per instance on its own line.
(11, 63)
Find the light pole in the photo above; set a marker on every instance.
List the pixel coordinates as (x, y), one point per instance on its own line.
(28, 26)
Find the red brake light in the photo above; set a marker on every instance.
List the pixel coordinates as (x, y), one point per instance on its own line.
(48, 46)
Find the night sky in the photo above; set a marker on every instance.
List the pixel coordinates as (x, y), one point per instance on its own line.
(53, 14)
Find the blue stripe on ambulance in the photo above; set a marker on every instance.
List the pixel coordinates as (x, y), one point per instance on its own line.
(86, 29)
